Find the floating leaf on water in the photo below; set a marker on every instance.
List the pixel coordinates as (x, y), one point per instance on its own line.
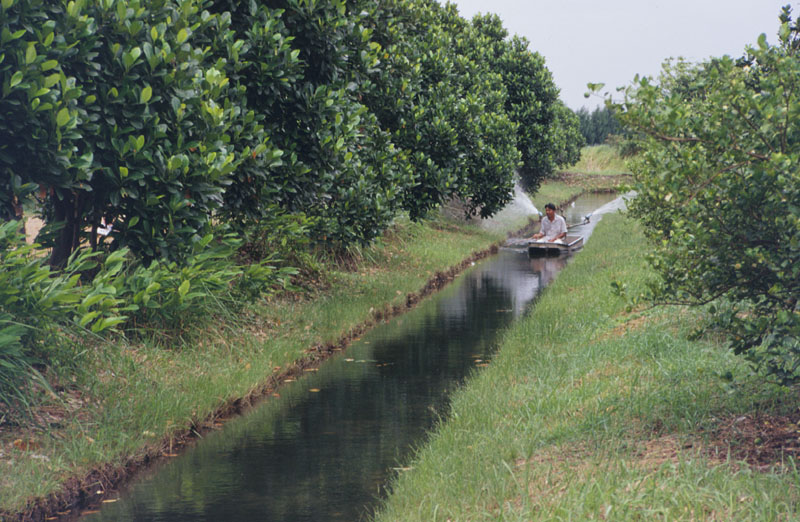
(289, 380)
(349, 360)
(314, 390)
(478, 360)
(110, 500)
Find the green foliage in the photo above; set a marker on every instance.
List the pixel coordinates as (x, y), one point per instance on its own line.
(718, 190)
(35, 112)
(36, 306)
(347, 112)
(567, 140)
(546, 131)
(458, 137)
(598, 125)
(39, 306)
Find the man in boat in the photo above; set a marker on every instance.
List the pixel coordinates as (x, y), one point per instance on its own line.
(554, 227)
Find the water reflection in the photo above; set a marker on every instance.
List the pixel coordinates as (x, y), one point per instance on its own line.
(326, 454)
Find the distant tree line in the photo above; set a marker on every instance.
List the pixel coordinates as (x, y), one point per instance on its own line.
(598, 124)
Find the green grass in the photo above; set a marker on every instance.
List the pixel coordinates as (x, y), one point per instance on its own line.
(590, 411)
(136, 396)
(599, 159)
(556, 192)
(600, 169)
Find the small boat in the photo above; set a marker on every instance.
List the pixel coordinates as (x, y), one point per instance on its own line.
(569, 244)
(543, 248)
(540, 247)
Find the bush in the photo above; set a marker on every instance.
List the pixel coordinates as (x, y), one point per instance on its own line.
(37, 306)
(718, 190)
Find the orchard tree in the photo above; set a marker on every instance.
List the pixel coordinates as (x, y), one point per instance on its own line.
(719, 192)
(547, 132)
(115, 115)
(566, 138)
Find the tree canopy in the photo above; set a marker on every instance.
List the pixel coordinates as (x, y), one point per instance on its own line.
(167, 119)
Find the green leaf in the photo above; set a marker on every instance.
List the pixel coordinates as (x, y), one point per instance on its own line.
(62, 118)
(51, 80)
(146, 94)
(7, 4)
(87, 318)
(15, 79)
(30, 53)
(49, 64)
(184, 288)
(107, 323)
(182, 36)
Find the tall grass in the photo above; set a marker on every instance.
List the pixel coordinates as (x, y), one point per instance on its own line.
(591, 411)
(599, 159)
(556, 192)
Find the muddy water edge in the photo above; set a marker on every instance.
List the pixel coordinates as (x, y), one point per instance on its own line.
(324, 448)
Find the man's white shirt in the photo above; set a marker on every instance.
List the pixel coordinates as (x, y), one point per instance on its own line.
(554, 228)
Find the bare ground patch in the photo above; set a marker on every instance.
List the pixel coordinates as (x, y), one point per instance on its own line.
(765, 442)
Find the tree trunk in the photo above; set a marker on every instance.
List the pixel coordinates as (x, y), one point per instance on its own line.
(66, 211)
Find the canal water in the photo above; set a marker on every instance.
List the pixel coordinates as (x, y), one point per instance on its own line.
(325, 449)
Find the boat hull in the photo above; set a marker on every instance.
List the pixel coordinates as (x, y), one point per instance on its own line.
(545, 248)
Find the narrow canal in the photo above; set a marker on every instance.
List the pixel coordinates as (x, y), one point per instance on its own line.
(326, 448)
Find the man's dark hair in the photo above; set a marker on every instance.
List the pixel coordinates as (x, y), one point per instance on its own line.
(550, 206)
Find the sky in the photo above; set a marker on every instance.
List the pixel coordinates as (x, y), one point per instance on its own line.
(611, 41)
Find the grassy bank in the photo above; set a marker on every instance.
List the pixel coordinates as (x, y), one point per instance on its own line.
(599, 160)
(138, 401)
(600, 169)
(591, 411)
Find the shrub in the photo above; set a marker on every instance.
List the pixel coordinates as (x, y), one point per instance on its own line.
(718, 192)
